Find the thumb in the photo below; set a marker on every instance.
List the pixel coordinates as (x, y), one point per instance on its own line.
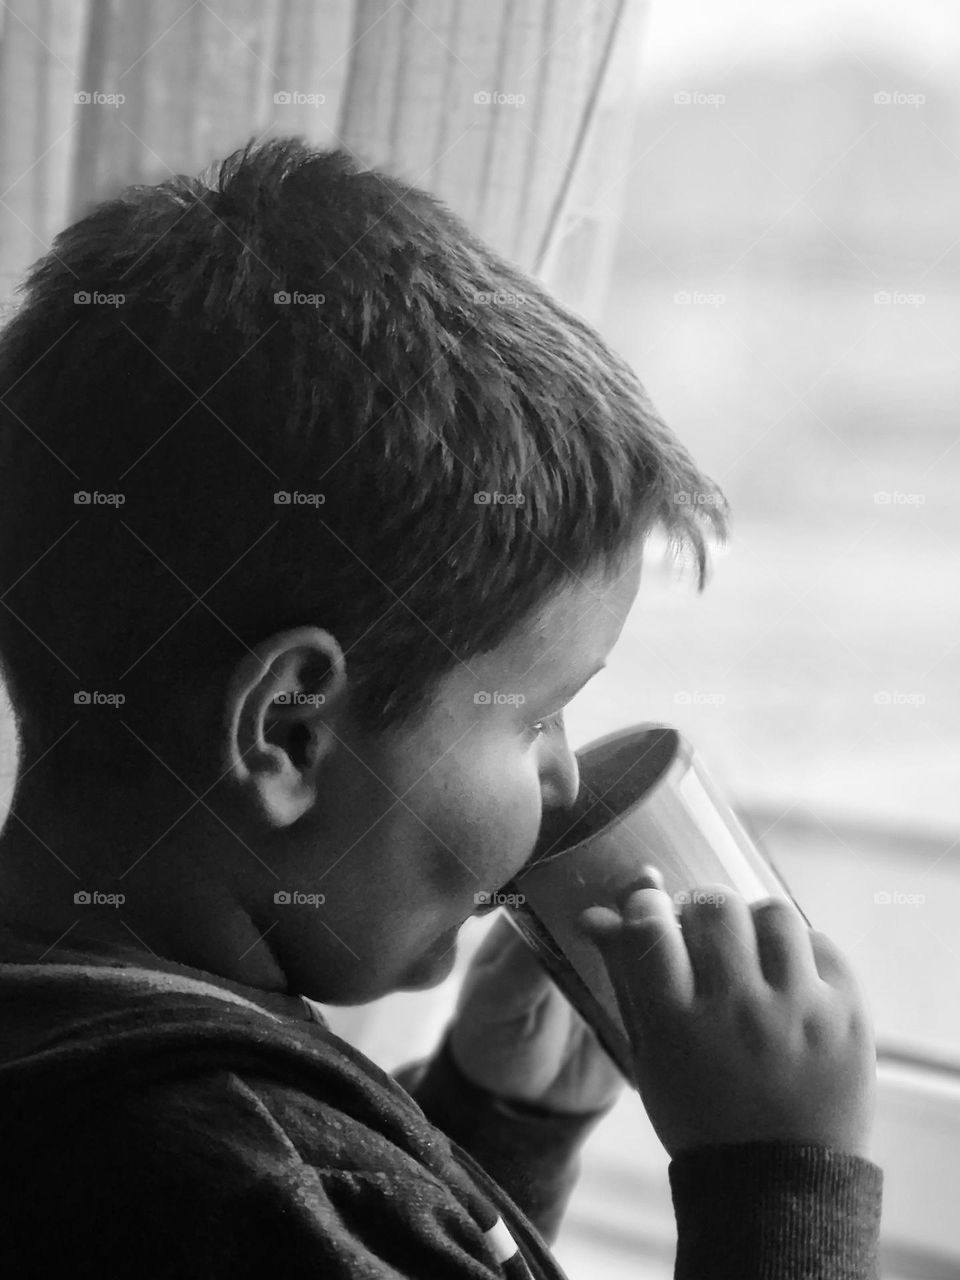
(504, 974)
(501, 940)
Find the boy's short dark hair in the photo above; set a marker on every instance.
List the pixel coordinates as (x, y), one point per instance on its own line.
(295, 325)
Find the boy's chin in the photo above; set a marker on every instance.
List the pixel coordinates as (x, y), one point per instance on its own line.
(434, 965)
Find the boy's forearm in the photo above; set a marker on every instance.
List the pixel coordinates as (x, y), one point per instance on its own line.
(742, 1210)
(531, 1153)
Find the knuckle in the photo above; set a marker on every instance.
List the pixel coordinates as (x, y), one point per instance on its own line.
(818, 1029)
(752, 1022)
(860, 1027)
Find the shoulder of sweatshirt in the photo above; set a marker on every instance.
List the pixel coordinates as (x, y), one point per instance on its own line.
(228, 1174)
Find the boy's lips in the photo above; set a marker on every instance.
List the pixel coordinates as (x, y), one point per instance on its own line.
(446, 940)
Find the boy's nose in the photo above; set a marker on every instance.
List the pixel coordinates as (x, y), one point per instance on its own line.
(559, 774)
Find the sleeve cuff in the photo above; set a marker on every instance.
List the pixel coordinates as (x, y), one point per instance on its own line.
(776, 1209)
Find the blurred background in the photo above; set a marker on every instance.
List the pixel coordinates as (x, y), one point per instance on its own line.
(759, 207)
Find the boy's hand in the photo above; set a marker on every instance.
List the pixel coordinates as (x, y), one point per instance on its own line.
(516, 1035)
(746, 1025)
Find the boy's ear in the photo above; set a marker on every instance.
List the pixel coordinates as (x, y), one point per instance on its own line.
(282, 701)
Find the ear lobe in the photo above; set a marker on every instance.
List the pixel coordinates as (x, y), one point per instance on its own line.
(281, 797)
(281, 700)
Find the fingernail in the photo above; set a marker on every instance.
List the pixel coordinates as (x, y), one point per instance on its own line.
(600, 922)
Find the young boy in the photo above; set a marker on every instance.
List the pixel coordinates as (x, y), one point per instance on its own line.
(308, 536)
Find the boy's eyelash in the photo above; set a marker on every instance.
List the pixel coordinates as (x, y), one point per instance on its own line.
(552, 722)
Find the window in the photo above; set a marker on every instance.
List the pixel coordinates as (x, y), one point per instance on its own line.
(784, 280)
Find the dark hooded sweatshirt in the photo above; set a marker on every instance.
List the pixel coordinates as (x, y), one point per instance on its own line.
(156, 1123)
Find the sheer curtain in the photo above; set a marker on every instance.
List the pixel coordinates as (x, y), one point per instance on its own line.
(517, 114)
(489, 106)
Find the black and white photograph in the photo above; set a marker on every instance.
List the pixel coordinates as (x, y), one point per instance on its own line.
(480, 639)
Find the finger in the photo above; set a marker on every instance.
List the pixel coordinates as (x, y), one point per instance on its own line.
(650, 878)
(500, 939)
(600, 922)
(832, 965)
(647, 961)
(642, 904)
(721, 939)
(783, 944)
(606, 920)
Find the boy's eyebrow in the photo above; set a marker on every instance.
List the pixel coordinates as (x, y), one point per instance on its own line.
(571, 689)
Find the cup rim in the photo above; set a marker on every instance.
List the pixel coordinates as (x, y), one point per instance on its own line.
(681, 750)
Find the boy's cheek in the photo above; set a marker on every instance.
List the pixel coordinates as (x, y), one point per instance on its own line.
(504, 832)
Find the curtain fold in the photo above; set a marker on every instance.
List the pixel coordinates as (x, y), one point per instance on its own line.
(485, 105)
(39, 50)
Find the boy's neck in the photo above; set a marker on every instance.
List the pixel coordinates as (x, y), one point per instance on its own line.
(177, 904)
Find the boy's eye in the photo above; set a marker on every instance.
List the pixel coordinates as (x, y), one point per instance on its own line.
(547, 725)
